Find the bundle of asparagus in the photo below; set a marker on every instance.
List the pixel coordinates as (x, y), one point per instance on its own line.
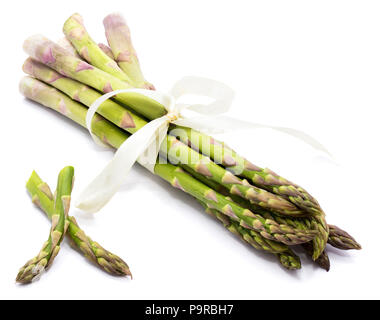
(264, 209)
(57, 208)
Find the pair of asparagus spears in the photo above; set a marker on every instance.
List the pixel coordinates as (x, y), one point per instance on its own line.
(57, 208)
(264, 209)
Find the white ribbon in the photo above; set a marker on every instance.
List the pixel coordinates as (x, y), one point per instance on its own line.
(205, 117)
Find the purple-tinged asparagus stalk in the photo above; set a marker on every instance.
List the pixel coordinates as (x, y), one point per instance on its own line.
(119, 39)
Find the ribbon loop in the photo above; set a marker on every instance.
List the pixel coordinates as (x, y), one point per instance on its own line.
(143, 146)
(222, 94)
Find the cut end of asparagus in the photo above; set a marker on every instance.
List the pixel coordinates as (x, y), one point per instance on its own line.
(26, 86)
(53, 55)
(27, 67)
(39, 47)
(113, 20)
(31, 43)
(71, 24)
(118, 36)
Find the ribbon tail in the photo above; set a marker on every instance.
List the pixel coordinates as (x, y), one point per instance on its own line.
(107, 183)
(223, 124)
(306, 138)
(221, 94)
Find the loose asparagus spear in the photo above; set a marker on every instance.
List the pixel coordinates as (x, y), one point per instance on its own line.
(269, 229)
(59, 59)
(42, 197)
(177, 151)
(340, 239)
(76, 33)
(34, 267)
(119, 39)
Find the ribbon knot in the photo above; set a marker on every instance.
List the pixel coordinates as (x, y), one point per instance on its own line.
(173, 116)
(206, 117)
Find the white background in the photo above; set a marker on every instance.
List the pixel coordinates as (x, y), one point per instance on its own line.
(311, 65)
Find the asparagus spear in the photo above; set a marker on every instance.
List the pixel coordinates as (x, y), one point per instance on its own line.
(119, 39)
(76, 33)
(34, 267)
(42, 197)
(269, 229)
(177, 151)
(59, 59)
(340, 239)
(285, 255)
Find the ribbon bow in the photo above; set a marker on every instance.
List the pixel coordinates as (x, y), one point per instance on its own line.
(143, 146)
